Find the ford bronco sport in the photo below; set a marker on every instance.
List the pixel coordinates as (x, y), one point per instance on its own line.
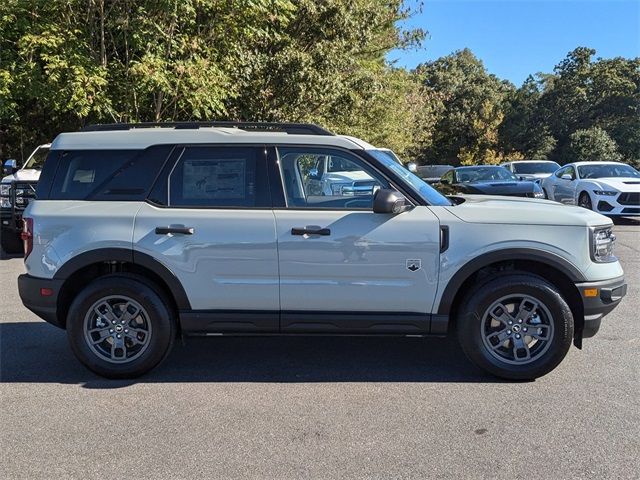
(140, 233)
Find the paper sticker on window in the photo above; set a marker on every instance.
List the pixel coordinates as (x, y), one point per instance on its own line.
(214, 179)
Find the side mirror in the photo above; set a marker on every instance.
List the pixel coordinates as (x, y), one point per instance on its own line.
(10, 167)
(566, 176)
(412, 167)
(389, 201)
(313, 174)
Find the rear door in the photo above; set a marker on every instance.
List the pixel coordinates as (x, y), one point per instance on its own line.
(209, 220)
(344, 268)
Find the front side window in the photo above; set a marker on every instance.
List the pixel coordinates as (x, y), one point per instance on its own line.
(608, 170)
(347, 183)
(218, 177)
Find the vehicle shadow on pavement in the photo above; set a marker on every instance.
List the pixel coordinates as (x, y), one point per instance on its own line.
(35, 352)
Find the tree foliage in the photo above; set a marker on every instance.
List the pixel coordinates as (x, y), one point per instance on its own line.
(66, 63)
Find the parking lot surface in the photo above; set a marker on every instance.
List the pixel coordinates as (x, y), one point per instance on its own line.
(295, 407)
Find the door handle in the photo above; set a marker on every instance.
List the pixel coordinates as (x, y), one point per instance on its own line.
(167, 230)
(310, 231)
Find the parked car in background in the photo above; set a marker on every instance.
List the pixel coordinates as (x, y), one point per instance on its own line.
(432, 173)
(535, 170)
(610, 188)
(17, 189)
(487, 180)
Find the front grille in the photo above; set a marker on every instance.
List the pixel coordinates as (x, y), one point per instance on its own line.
(22, 194)
(631, 210)
(629, 198)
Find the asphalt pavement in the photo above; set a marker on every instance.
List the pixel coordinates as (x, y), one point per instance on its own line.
(295, 407)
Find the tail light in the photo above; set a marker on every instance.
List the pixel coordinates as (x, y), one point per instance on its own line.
(27, 235)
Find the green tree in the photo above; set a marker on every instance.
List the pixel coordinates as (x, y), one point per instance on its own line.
(473, 108)
(590, 145)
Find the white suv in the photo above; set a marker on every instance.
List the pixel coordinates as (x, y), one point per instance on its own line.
(143, 232)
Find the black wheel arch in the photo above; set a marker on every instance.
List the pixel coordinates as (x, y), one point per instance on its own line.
(87, 266)
(555, 269)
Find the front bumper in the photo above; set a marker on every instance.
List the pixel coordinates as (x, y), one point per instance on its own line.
(45, 306)
(598, 299)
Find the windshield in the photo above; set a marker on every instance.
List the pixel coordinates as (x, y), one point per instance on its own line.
(37, 159)
(535, 167)
(605, 170)
(432, 196)
(391, 155)
(479, 174)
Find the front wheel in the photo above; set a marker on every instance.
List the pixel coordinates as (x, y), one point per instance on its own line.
(584, 201)
(120, 326)
(516, 326)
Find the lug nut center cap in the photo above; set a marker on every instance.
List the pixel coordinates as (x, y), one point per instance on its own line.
(119, 328)
(516, 328)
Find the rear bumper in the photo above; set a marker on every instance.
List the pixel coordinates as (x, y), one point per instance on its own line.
(598, 299)
(44, 306)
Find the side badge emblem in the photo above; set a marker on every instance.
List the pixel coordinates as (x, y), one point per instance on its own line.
(414, 265)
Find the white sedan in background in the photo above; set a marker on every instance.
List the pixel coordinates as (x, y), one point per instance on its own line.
(609, 188)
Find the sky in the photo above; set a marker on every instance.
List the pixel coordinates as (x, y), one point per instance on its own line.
(515, 38)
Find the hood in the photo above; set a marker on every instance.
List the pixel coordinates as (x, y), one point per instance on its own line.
(497, 187)
(28, 175)
(348, 176)
(524, 211)
(622, 184)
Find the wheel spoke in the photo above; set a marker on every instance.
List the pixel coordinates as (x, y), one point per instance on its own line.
(127, 316)
(540, 331)
(523, 312)
(102, 332)
(520, 349)
(118, 349)
(503, 315)
(132, 334)
(501, 336)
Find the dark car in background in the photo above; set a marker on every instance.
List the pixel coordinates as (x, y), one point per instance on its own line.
(487, 180)
(432, 173)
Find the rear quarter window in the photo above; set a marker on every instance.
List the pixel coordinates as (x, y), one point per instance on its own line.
(106, 174)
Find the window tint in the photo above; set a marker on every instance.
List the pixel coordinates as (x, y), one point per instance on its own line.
(348, 183)
(220, 177)
(81, 172)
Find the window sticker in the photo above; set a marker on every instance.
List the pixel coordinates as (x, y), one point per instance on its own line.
(214, 179)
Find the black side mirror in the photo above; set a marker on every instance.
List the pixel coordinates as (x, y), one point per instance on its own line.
(10, 167)
(390, 201)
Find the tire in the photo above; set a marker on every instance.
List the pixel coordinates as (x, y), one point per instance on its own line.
(146, 335)
(480, 334)
(584, 201)
(11, 242)
(546, 195)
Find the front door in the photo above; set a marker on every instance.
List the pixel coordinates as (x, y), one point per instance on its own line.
(565, 189)
(212, 226)
(344, 268)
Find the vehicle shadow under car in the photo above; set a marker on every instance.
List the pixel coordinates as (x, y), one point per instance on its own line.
(35, 352)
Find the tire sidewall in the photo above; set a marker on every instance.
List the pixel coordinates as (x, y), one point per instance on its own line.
(470, 325)
(159, 315)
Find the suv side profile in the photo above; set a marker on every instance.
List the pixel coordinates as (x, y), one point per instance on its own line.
(140, 233)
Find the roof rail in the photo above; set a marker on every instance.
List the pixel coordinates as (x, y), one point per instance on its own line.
(291, 128)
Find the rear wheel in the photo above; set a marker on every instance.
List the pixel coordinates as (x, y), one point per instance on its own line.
(120, 326)
(516, 326)
(584, 201)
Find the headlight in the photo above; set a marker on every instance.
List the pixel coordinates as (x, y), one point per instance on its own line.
(336, 188)
(5, 190)
(602, 242)
(605, 192)
(5, 202)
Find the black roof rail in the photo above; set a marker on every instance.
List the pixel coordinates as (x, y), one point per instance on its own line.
(291, 128)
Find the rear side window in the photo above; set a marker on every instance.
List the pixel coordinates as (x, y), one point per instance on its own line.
(106, 174)
(219, 177)
(81, 172)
